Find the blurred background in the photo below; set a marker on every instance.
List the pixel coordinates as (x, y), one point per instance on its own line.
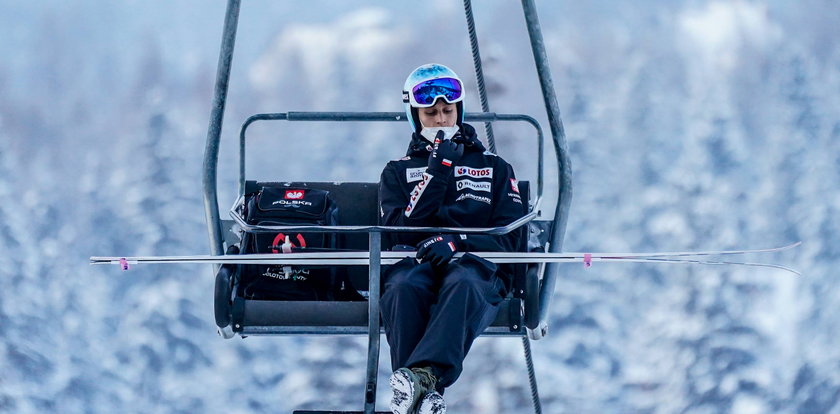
(692, 125)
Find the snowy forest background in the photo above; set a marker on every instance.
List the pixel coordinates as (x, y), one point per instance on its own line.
(692, 125)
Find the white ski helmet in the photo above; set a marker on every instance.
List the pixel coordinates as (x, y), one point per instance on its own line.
(428, 83)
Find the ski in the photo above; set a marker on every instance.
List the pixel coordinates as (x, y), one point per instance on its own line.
(361, 258)
(699, 253)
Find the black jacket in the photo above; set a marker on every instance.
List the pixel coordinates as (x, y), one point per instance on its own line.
(480, 191)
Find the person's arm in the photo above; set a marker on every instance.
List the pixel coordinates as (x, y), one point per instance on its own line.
(417, 209)
(426, 198)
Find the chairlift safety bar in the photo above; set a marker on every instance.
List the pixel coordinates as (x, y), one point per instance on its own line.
(378, 229)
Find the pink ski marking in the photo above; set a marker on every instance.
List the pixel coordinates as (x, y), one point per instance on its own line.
(587, 260)
(123, 263)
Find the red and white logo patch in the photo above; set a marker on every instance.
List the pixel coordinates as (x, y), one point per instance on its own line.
(474, 172)
(514, 185)
(294, 194)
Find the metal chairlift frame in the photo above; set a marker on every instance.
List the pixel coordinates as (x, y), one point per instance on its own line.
(556, 229)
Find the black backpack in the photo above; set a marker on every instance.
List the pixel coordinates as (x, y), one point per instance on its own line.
(280, 205)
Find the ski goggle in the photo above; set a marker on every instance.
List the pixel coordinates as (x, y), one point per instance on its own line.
(425, 93)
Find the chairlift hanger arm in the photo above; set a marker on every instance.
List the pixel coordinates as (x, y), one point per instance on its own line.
(214, 130)
(561, 148)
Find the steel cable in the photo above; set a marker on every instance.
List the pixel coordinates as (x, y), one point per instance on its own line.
(532, 377)
(479, 73)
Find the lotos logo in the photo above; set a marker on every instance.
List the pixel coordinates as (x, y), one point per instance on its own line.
(474, 172)
(293, 194)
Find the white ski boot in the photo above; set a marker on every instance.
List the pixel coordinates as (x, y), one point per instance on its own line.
(432, 403)
(409, 387)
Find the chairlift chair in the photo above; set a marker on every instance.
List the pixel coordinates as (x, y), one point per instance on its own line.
(524, 313)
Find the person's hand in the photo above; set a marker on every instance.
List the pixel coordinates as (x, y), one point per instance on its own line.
(437, 250)
(444, 155)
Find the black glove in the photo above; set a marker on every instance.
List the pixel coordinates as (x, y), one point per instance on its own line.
(444, 155)
(438, 250)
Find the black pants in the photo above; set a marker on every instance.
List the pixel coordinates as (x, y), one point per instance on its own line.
(432, 316)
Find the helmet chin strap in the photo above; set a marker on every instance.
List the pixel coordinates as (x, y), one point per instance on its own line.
(429, 133)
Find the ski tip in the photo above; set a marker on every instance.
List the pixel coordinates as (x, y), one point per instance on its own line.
(789, 270)
(790, 246)
(783, 268)
(96, 260)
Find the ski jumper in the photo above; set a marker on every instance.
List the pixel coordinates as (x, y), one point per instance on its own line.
(431, 314)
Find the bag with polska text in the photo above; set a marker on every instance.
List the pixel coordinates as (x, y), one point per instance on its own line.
(289, 206)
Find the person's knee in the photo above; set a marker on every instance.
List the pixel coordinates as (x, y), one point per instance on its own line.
(463, 279)
(407, 282)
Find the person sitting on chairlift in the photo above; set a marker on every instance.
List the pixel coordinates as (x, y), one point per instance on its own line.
(434, 306)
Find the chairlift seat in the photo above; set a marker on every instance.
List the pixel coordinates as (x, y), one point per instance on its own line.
(357, 205)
